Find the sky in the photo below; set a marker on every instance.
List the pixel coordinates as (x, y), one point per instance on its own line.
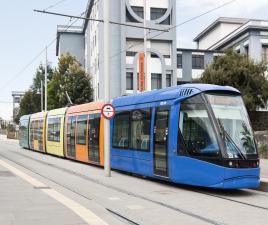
(24, 34)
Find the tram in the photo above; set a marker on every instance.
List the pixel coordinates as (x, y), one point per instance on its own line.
(194, 134)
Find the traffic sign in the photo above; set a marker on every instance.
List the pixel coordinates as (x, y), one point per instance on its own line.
(108, 111)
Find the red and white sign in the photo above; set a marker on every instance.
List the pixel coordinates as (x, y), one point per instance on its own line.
(108, 111)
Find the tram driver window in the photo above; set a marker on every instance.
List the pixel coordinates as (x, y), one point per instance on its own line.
(196, 130)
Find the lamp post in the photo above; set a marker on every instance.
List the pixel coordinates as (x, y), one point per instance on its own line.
(42, 97)
(106, 11)
(145, 46)
(46, 82)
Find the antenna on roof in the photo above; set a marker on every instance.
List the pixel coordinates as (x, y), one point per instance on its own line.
(69, 99)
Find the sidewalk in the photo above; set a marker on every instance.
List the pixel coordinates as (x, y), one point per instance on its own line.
(3, 137)
(22, 204)
(264, 168)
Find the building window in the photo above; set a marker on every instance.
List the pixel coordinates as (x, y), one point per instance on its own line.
(198, 62)
(168, 80)
(130, 53)
(179, 61)
(129, 84)
(129, 17)
(157, 13)
(138, 11)
(153, 55)
(81, 130)
(54, 125)
(156, 81)
(265, 54)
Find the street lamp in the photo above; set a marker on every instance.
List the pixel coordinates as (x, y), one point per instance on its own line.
(106, 11)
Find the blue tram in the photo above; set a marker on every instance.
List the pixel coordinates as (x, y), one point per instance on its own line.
(194, 134)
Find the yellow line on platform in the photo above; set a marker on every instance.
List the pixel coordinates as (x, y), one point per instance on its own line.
(84, 213)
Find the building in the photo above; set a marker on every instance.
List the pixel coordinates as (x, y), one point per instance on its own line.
(247, 36)
(17, 96)
(71, 39)
(191, 63)
(86, 43)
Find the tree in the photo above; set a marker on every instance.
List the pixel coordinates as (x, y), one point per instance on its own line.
(40, 76)
(239, 71)
(30, 103)
(69, 77)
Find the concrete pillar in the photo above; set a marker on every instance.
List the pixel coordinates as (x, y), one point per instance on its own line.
(208, 58)
(186, 66)
(255, 46)
(242, 49)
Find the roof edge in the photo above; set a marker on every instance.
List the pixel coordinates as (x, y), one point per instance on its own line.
(218, 21)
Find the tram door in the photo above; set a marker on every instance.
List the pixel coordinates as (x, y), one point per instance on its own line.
(161, 141)
(40, 135)
(94, 138)
(71, 136)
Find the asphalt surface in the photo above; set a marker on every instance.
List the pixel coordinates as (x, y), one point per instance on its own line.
(121, 199)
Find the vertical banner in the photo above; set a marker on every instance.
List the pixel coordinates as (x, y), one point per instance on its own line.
(141, 74)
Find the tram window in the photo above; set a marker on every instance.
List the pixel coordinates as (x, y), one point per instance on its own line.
(81, 130)
(54, 125)
(140, 129)
(121, 130)
(197, 131)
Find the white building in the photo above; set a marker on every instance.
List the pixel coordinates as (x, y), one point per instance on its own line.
(126, 42)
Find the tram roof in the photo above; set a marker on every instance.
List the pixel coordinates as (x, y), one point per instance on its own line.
(92, 106)
(39, 115)
(25, 117)
(57, 112)
(180, 91)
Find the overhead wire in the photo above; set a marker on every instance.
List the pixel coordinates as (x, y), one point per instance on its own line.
(173, 27)
(119, 53)
(55, 4)
(16, 75)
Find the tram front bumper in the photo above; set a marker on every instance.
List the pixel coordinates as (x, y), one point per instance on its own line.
(240, 178)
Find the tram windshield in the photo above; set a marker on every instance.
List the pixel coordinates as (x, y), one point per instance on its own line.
(231, 114)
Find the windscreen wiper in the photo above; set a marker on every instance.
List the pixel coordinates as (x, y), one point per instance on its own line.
(226, 135)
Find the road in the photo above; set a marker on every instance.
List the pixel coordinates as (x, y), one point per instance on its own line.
(42, 189)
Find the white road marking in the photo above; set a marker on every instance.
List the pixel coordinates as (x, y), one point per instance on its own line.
(114, 198)
(134, 207)
(265, 180)
(84, 213)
